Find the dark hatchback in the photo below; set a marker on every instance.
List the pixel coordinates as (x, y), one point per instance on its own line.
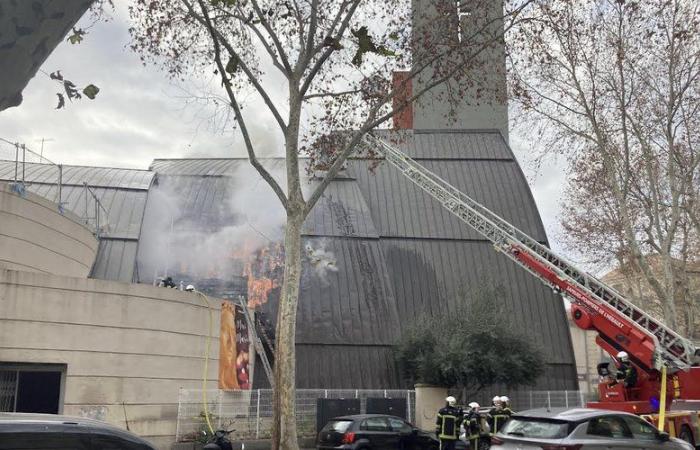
(47, 431)
(373, 432)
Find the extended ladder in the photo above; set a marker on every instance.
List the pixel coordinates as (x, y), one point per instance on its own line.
(673, 350)
(256, 342)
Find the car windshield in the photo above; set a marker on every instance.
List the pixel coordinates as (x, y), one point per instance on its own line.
(531, 427)
(339, 426)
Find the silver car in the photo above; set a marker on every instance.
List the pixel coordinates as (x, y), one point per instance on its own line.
(581, 429)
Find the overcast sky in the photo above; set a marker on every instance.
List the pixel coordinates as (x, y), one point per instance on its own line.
(140, 115)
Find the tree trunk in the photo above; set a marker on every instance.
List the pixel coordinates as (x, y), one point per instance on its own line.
(285, 360)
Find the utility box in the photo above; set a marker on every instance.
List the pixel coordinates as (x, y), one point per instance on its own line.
(328, 408)
(391, 406)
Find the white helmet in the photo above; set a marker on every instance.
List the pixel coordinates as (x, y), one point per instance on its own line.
(623, 356)
(505, 400)
(496, 400)
(474, 405)
(451, 400)
(190, 288)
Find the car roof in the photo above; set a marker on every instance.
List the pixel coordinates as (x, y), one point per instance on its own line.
(567, 414)
(364, 416)
(30, 422)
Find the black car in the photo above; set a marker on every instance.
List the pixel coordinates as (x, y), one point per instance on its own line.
(373, 432)
(48, 431)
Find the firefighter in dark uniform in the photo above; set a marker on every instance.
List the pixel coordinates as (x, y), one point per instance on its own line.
(447, 425)
(474, 428)
(500, 413)
(626, 373)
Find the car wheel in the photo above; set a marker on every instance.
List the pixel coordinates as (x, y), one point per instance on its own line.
(686, 435)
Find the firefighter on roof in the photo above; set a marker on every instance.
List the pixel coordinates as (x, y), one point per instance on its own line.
(448, 421)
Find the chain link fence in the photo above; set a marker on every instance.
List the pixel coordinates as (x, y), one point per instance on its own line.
(250, 412)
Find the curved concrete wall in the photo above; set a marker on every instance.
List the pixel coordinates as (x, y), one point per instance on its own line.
(127, 347)
(35, 237)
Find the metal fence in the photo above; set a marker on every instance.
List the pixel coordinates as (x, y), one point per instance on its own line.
(250, 412)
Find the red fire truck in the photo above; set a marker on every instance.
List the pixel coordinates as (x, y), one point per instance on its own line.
(666, 363)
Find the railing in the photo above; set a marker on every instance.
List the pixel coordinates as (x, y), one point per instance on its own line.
(94, 215)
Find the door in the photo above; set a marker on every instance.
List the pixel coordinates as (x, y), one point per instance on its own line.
(610, 433)
(379, 434)
(646, 435)
(407, 439)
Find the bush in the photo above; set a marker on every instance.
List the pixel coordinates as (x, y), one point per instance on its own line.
(473, 348)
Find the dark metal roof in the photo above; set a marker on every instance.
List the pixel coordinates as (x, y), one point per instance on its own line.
(398, 253)
(122, 193)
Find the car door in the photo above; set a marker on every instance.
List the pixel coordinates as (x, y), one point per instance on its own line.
(379, 434)
(609, 433)
(646, 435)
(406, 438)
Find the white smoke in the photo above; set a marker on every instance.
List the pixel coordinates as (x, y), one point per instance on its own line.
(321, 260)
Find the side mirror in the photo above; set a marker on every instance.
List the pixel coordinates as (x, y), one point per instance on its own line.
(414, 431)
(662, 436)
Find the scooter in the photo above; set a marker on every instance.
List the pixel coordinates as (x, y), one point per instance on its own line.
(220, 441)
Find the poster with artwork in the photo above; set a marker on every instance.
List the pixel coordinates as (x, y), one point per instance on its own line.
(234, 346)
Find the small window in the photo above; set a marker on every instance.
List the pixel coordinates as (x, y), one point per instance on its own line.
(609, 427)
(375, 424)
(399, 425)
(339, 426)
(641, 429)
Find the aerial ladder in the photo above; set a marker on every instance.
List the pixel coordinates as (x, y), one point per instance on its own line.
(621, 325)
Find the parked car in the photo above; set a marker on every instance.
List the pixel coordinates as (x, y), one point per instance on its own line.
(582, 429)
(20, 431)
(373, 432)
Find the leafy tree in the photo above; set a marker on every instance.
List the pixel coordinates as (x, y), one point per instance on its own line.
(473, 348)
(322, 71)
(614, 87)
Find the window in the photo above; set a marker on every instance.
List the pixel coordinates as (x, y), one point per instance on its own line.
(339, 426)
(536, 428)
(641, 429)
(400, 425)
(43, 441)
(31, 388)
(115, 443)
(375, 424)
(610, 427)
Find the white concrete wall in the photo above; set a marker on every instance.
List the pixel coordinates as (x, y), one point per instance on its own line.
(35, 237)
(126, 346)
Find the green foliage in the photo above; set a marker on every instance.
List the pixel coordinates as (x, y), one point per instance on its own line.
(77, 36)
(365, 44)
(472, 348)
(91, 91)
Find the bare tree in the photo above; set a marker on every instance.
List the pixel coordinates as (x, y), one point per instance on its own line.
(335, 59)
(614, 86)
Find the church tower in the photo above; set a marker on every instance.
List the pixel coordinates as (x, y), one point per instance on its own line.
(475, 98)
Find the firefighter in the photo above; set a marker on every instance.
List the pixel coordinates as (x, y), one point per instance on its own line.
(473, 427)
(626, 373)
(447, 425)
(499, 414)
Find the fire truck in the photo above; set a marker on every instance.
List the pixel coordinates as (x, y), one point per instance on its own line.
(666, 363)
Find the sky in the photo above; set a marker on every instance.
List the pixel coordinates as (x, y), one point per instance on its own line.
(139, 115)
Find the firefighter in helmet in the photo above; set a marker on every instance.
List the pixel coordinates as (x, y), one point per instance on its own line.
(500, 413)
(475, 427)
(447, 425)
(626, 372)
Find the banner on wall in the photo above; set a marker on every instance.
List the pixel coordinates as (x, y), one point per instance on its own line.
(234, 347)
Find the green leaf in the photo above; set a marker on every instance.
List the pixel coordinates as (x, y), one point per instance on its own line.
(232, 65)
(91, 91)
(394, 36)
(77, 36)
(365, 44)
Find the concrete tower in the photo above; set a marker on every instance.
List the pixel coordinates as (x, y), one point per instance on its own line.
(475, 98)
